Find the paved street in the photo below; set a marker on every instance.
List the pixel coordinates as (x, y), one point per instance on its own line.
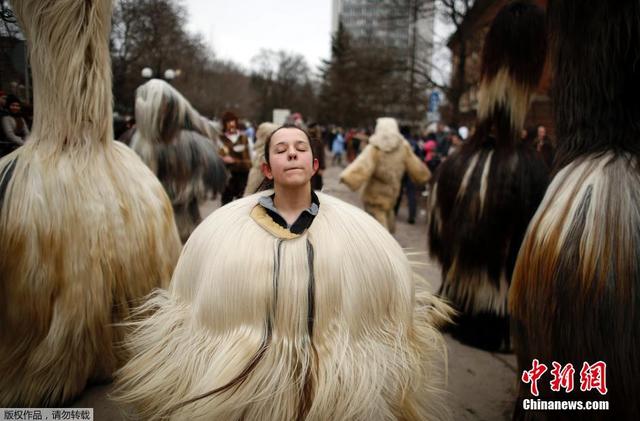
(481, 385)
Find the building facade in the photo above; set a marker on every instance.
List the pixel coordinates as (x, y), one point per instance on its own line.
(386, 21)
(476, 25)
(406, 26)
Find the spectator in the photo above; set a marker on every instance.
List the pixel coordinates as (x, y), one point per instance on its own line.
(337, 147)
(456, 142)
(544, 146)
(14, 127)
(317, 145)
(235, 154)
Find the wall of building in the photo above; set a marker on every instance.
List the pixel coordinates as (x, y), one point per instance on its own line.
(478, 23)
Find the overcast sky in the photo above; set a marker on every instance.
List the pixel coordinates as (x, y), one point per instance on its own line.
(238, 29)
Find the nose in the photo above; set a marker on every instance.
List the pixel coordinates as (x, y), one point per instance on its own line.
(293, 154)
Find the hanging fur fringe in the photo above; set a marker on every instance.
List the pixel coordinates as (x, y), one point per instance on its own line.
(173, 140)
(255, 174)
(333, 324)
(86, 230)
(575, 296)
(485, 194)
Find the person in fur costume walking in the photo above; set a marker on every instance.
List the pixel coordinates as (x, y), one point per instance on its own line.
(485, 194)
(575, 297)
(86, 229)
(284, 332)
(176, 143)
(380, 168)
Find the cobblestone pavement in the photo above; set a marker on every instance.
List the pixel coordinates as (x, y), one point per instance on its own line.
(481, 385)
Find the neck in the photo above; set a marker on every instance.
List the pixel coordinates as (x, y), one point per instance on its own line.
(290, 201)
(69, 55)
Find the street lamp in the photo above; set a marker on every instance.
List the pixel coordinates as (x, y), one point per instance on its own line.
(147, 73)
(169, 74)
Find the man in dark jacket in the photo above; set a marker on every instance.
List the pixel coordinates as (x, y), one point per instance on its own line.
(234, 149)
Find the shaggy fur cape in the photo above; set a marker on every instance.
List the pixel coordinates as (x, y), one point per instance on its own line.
(332, 324)
(382, 164)
(174, 141)
(485, 194)
(86, 230)
(255, 173)
(576, 286)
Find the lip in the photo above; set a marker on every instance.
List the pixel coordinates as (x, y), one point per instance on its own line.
(291, 169)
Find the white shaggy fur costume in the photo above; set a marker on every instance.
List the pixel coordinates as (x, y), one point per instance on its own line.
(179, 146)
(86, 230)
(332, 324)
(255, 173)
(380, 168)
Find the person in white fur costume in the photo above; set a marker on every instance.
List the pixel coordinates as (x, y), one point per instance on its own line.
(380, 167)
(255, 173)
(289, 304)
(86, 229)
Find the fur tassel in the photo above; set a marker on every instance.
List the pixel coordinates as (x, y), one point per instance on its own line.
(580, 259)
(225, 313)
(485, 194)
(86, 229)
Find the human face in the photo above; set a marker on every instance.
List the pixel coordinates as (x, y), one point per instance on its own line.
(542, 132)
(291, 162)
(231, 126)
(14, 107)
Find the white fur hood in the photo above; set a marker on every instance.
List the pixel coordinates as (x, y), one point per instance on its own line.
(387, 137)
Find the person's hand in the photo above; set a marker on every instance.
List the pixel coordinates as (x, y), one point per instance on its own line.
(228, 159)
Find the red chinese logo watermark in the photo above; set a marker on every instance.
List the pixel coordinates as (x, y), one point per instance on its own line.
(592, 376)
(562, 377)
(532, 376)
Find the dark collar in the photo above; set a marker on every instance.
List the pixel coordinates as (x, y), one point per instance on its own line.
(301, 223)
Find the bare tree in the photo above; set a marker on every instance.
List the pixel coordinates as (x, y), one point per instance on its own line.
(9, 25)
(150, 33)
(282, 80)
(363, 79)
(14, 64)
(456, 13)
(423, 69)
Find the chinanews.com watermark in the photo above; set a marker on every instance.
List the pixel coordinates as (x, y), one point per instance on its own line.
(593, 377)
(540, 405)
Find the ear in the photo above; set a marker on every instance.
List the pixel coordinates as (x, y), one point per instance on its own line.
(316, 165)
(266, 170)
